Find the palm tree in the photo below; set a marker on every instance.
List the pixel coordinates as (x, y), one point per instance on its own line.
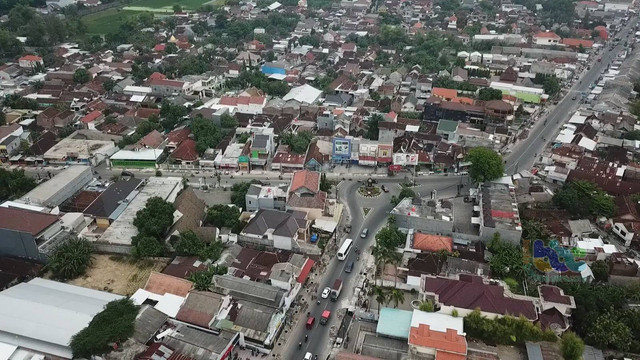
(394, 258)
(380, 254)
(380, 295)
(397, 297)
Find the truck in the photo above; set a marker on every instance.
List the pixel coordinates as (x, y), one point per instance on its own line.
(325, 317)
(336, 289)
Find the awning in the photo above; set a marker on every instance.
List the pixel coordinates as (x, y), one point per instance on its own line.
(306, 269)
(325, 225)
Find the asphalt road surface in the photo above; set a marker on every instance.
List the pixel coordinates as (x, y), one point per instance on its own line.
(523, 155)
(318, 343)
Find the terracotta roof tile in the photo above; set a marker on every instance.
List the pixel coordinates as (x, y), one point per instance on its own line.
(307, 179)
(166, 284)
(433, 243)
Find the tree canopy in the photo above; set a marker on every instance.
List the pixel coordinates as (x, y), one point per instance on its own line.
(189, 244)
(221, 215)
(584, 199)
(551, 86)
(298, 143)
(571, 346)
(14, 183)
(487, 94)
(81, 76)
(372, 126)
(207, 135)
(507, 330)
(70, 259)
(113, 324)
(486, 164)
(152, 223)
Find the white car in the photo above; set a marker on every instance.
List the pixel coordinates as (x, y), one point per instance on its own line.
(326, 292)
(308, 356)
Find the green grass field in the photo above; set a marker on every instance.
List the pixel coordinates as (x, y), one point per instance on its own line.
(106, 21)
(110, 20)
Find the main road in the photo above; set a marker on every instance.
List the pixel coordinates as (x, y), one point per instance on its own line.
(523, 155)
(319, 336)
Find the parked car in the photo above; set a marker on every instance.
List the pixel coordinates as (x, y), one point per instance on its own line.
(384, 188)
(349, 268)
(326, 292)
(364, 233)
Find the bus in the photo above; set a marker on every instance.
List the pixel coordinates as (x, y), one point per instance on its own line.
(344, 249)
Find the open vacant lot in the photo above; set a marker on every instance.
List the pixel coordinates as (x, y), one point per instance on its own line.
(107, 21)
(117, 274)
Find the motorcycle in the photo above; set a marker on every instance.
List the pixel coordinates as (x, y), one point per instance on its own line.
(300, 345)
(306, 338)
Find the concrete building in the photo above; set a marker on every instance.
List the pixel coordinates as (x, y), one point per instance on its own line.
(55, 191)
(497, 212)
(70, 151)
(279, 230)
(117, 237)
(266, 197)
(426, 215)
(24, 238)
(43, 315)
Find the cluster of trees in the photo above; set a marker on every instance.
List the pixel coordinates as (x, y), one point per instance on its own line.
(550, 83)
(144, 128)
(189, 244)
(239, 193)
(70, 259)
(14, 184)
(584, 199)
(484, 73)
(298, 143)
(384, 296)
(172, 115)
(206, 134)
(152, 223)
(405, 192)
(602, 317)
(506, 259)
(15, 101)
(225, 216)
(372, 126)
(488, 94)
(387, 240)
(258, 79)
(507, 330)
(233, 33)
(114, 324)
(486, 164)
(448, 83)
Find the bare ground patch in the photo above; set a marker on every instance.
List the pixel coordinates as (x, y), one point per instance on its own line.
(118, 274)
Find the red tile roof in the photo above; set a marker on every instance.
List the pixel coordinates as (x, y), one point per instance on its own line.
(159, 47)
(186, 151)
(470, 292)
(166, 284)
(307, 179)
(433, 243)
(444, 93)
(549, 35)
(179, 135)
(448, 342)
(306, 269)
(554, 294)
(31, 58)
(152, 139)
(91, 116)
(242, 100)
(25, 221)
(577, 42)
(157, 76)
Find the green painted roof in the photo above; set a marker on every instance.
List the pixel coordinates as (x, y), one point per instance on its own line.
(394, 323)
(447, 125)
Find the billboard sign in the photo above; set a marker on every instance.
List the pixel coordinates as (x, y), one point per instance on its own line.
(341, 147)
(405, 159)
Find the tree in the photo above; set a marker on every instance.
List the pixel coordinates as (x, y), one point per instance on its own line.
(114, 324)
(177, 8)
(70, 259)
(381, 296)
(607, 331)
(146, 246)
(205, 133)
(325, 185)
(81, 76)
(3, 118)
(506, 259)
(486, 164)
(600, 271)
(507, 330)
(375, 96)
(155, 218)
(632, 135)
(571, 346)
(298, 143)
(239, 192)
(14, 184)
(108, 85)
(396, 296)
(221, 215)
(242, 138)
(487, 94)
(584, 198)
(551, 86)
(227, 121)
(405, 192)
(372, 126)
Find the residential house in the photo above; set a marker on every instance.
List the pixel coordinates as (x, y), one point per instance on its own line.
(437, 335)
(164, 87)
(186, 153)
(261, 150)
(30, 61)
(52, 118)
(266, 197)
(304, 194)
(276, 230)
(546, 38)
(459, 74)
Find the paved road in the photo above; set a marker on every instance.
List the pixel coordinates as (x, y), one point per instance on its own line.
(523, 155)
(319, 342)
